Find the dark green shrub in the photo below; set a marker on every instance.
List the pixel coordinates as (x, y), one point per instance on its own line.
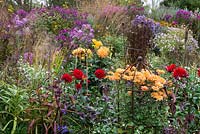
(189, 4)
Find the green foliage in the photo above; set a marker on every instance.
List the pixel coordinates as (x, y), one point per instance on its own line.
(13, 102)
(185, 102)
(52, 24)
(163, 10)
(173, 46)
(116, 43)
(189, 4)
(129, 2)
(31, 77)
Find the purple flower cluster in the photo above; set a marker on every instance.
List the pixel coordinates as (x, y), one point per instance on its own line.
(134, 9)
(28, 57)
(65, 13)
(168, 17)
(78, 35)
(21, 13)
(183, 14)
(19, 23)
(198, 16)
(71, 15)
(63, 130)
(19, 19)
(82, 35)
(63, 36)
(143, 20)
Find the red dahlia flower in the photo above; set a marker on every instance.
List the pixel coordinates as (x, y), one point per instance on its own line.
(78, 74)
(170, 68)
(78, 86)
(180, 72)
(198, 72)
(67, 78)
(100, 73)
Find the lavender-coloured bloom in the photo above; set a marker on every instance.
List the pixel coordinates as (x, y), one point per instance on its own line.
(169, 130)
(105, 98)
(63, 130)
(174, 23)
(42, 10)
(143, 20)
(183, 14)
(28, 57)
(82, 35)
(167, 17)
(19, 22)
(21, 13)
(198, 16)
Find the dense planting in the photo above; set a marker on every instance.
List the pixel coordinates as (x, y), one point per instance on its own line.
(98, 67)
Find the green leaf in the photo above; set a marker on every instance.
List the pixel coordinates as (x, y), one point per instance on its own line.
(4, 128)
(120, 131)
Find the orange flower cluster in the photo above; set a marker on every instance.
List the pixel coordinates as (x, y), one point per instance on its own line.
(165, 24)
(144, 79)
(102, 51)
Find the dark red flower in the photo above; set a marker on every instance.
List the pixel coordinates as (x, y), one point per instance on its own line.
(198, 72)
(88, 81)
(78, 74)
(100, 73)
(78, 86)
(180, 73)
(67, 78)
(170, 68)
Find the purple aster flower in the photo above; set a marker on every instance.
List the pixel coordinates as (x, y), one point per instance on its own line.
(63, 130)
(143, 20)
(167, 17)
(19, 22)
(198, 16)
(21, 13)
(28, 57)
(183, 14)
(82, 35)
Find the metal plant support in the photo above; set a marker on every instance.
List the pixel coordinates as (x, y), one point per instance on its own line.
(139, 42)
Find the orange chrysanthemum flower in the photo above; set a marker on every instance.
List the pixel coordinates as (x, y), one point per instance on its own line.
(103, 52)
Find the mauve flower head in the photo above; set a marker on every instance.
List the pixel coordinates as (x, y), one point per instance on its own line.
(183, 14)
(167, 17)
(198, 16)
(82, 35)
(134, 9)
(42, 10)
(143, 20)
(169, 130)
(63, 130)
(19, 22)
(28, 57)
(21, 13)
(174, 23)
(63, 36)
(65, 13)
